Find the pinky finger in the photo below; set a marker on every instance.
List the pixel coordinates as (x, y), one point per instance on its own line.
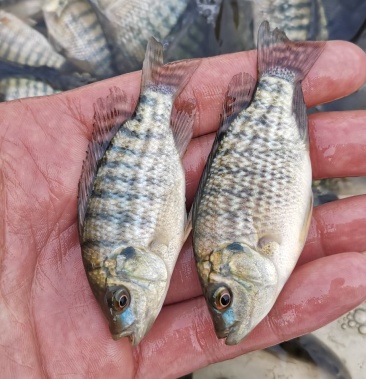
(183, 339)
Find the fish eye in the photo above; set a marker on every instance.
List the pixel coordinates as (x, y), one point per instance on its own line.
(222, 298)
(120, 299)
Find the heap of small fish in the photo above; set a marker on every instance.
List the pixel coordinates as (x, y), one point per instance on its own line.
(97, 39)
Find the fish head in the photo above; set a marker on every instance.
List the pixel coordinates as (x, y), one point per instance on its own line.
(241, 288)
(135, 284)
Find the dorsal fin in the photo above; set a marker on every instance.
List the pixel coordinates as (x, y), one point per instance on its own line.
(170, 78)
(109, 114)
(238, 97)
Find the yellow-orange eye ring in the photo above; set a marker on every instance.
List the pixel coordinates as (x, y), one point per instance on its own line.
(222, 298)
(121, 299)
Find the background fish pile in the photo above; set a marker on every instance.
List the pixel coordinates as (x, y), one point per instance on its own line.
(81, 41)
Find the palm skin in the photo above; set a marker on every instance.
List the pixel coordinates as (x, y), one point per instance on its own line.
(51, 325)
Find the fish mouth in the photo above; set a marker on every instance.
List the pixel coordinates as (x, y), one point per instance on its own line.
(224, 333)
(128, 332)
(233, 334)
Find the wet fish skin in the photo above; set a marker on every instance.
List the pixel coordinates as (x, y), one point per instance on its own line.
(129, 24)
(74, 30)
(22, 44)
(132, 214)
(253, 207)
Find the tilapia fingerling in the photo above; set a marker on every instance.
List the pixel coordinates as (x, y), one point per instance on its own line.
(132, 198)
(253, 207)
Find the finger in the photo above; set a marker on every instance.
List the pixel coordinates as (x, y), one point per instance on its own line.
(338, 144)
(183, 339)
(337, 148)
(335, 228)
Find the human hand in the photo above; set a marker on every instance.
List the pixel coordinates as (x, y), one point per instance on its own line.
(51, 325)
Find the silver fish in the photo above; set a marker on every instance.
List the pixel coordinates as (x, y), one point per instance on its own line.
(18, 88)
(130, 23)
(75, 32)
(27, 10)
(132, 197)
(312, 19)
(301, 20)
(21, 43)
(252, 211)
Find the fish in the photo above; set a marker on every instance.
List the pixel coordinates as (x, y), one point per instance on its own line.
(75, 32)
(128, 25)
(17, 88)
(253, 206)
(64, 78)
(312, 350)
(27, 10)
(303, 20)
(131, 203)
(22, 44)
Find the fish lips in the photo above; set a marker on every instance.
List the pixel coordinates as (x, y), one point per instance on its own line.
(227, 327)
(130, 332)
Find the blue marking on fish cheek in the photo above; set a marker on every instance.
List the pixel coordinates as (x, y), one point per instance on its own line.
(126, 318)
(228, 316)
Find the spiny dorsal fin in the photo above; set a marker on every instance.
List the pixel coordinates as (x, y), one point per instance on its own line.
(278, 56)
(238, 97)
(109, 114)
(182, 124)
(172, 77)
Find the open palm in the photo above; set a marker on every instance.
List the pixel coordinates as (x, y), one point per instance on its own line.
(50, 323)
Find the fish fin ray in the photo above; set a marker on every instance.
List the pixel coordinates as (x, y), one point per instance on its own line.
(276, 53)
(170, 78)
(182, 124)
(238, 97)
(299, 110)
(109, 114)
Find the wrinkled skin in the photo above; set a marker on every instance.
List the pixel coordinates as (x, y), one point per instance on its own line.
(51, 325)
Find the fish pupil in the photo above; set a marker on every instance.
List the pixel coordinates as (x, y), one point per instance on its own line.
(123, 301)
(225, 300)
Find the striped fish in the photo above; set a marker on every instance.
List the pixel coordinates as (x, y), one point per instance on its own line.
(303, 20)
(132, 197)
(74, 30)
(129, 24)
(18, 88)
(252, 211)
(21, 43)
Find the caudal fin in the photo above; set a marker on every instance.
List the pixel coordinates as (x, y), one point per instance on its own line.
(172, 77)
(278, 56)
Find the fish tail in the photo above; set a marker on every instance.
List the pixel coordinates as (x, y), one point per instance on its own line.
(170, 78)
(278, 56)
